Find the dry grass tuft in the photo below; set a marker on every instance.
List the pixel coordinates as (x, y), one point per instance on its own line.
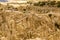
(31, 25)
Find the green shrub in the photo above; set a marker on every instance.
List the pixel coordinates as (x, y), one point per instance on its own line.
(36, 4)
(52, 3)
(39, 4)
(42, 4)
(48, 3)
(58, 4)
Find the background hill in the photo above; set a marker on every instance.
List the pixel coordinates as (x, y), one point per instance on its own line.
(3, 0)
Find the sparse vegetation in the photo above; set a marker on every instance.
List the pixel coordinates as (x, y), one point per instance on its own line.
(48, 3)
(50, 15)
(57, 25)
(40, 4)
(58, 4)
(38, 23)
(52, 3)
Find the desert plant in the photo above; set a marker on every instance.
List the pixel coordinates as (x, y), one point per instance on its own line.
(35, 4)
(40, 3)
(58, 4)
(57, 25)
(15, 9)
(29, 2)
(52, 3)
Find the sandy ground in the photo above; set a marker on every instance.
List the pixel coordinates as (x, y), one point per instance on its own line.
(29, 23)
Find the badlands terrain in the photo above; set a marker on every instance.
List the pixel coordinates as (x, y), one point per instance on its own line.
(29, 22)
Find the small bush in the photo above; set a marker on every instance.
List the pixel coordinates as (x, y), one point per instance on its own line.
(39, 4)
(42, 3)
(58, 4)
(52, 3)
(35, 4)
(24, 9)
(57, 25)
(15, 9)
(50, 15)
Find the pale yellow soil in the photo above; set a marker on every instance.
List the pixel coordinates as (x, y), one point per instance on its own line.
(35, 23)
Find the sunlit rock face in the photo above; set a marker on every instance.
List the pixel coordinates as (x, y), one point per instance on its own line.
(3, 0)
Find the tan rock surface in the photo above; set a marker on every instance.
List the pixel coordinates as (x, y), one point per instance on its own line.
(27, 23)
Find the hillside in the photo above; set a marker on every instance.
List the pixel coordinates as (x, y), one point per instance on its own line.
(29, 22)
